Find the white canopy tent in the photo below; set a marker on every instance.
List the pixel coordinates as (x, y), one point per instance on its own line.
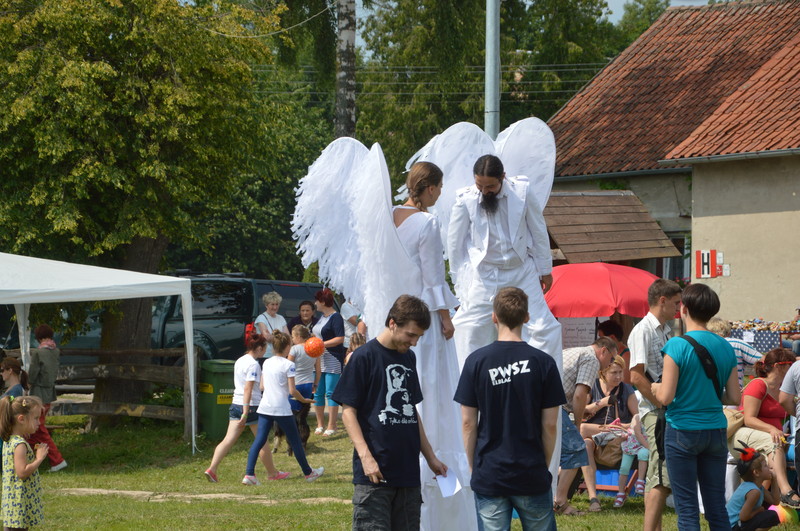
(25, 280)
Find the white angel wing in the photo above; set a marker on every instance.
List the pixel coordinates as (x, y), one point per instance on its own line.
(528, 147)
(323, 217)
(388, 271)
(455, 152)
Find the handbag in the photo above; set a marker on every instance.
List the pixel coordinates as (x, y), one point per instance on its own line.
(735, 420)
(610, 454)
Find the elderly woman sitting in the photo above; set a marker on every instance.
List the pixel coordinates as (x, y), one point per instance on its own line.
(611, 399)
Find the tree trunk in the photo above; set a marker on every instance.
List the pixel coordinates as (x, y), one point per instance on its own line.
(345, 113)
(131, 326)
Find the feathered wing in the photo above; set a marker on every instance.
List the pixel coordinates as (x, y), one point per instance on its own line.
(388, 271)
(455, 152)
(528, 147)
(323, 218)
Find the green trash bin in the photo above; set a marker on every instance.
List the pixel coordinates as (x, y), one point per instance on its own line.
(215, 397)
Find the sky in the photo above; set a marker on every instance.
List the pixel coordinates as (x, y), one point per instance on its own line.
(617, 6)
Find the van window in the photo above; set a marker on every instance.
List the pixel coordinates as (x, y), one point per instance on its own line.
(214, 299)
(292, 294)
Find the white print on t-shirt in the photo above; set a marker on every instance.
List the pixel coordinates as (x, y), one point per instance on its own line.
(399, 409)
(501, 375)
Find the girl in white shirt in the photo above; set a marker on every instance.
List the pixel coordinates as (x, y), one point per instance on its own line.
(246, 396)
(277, 379)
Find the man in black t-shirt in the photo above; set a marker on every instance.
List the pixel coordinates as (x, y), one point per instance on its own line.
(517, 391)
(379, 390)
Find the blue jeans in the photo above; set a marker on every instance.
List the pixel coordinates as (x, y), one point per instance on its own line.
(793, 345)
(535, 512)
(573, 449)
(289, 427)
(697, 456)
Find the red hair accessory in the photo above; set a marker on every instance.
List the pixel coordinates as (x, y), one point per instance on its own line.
(746, 459)
(748, 454)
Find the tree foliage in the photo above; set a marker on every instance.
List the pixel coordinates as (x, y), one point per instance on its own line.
(425, 71)
(124, 120)
(638, 16)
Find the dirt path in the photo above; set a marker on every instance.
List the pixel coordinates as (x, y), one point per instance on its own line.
(142, 495)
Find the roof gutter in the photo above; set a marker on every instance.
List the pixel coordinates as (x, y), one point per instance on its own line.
(621, 174)
(732, 156)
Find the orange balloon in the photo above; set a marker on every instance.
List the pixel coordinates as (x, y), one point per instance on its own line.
(314, 347)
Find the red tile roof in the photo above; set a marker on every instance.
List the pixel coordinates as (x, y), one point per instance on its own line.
(668, 84)
(763, 114)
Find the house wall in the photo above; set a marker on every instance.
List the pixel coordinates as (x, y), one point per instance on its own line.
(750, 210)
(667, 196)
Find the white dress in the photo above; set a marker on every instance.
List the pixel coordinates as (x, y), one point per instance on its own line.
(437, 367)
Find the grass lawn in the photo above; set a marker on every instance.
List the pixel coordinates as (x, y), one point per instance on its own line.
(145, 477)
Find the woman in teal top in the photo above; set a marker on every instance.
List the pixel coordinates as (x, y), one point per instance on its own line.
(695, 440)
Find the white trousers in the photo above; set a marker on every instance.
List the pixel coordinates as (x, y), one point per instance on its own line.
(473, 320)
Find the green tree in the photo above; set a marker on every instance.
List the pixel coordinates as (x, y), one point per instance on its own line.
(425, 71)
(254, 235)
(420, 76)
(569, 40)
(638, 16)
(125, 123)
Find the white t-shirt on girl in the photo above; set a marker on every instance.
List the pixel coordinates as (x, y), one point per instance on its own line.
(275, 400)
(246, 369)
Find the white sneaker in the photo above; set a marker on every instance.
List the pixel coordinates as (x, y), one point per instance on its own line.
(61, 466)
(251, 481)
(315, 474)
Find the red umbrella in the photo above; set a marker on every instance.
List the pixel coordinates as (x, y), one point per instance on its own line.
(598, 289)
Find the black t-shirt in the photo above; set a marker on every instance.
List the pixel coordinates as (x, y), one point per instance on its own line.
(510, 383)
(383, 386)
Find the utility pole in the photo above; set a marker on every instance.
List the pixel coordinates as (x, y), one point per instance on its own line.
(492, 90)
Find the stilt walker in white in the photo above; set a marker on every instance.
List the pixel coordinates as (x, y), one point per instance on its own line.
(495, 231)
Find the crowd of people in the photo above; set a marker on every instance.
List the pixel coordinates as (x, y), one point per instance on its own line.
(478, 386)
(531, 415)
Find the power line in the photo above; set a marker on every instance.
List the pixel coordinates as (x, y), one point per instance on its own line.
(434, 83)
(442, 93)
(473, 67)
(284, 30)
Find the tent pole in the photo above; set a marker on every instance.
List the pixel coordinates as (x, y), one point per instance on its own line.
(23, 328)
(186, 305)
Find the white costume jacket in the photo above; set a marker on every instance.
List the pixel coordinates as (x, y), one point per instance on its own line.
(468, 233)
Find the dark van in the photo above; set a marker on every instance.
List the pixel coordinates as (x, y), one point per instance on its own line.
(222, 305)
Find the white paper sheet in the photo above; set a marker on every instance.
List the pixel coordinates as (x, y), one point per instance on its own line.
(448, 485)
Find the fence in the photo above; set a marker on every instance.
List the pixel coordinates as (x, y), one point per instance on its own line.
(173, 373)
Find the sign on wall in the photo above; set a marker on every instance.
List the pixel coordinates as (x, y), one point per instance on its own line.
(710, 264)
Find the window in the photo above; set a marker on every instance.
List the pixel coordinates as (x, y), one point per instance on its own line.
(215, 299)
